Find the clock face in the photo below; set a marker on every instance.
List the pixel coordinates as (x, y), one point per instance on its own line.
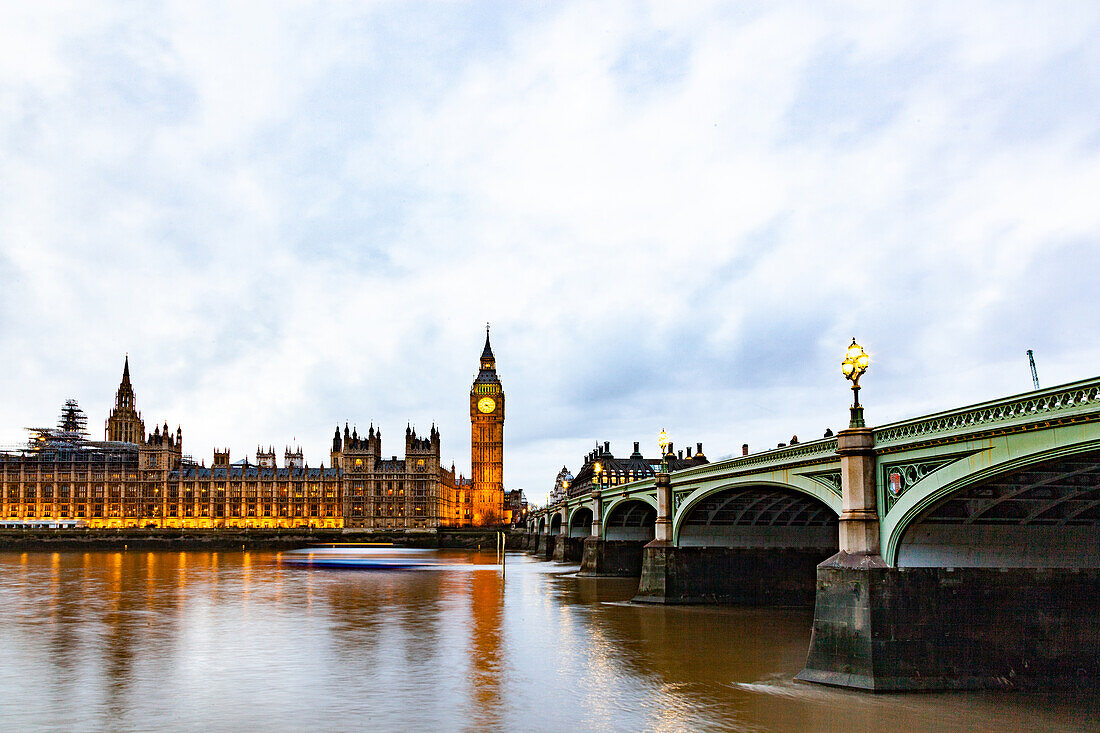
(486, 405)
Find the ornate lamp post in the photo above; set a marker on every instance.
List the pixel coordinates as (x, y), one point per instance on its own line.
(662, 442)
(854, 365)
(598, 469)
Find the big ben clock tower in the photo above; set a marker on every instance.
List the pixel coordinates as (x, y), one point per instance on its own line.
(487, 442)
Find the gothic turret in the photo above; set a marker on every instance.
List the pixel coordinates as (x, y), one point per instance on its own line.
(124, 423)
(265, 458)
(294, 459)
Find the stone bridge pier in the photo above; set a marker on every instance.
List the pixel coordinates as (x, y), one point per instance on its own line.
(549, 541)
(537, 538)
(531, 538)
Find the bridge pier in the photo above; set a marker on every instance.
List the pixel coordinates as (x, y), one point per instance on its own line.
(881, 628)
(728, 575)
(612, 558)
(549, 544)
(568, 549)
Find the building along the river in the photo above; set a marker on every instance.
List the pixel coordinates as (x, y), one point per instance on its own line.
(132, 479)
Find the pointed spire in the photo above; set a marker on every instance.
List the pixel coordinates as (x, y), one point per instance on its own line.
(487, 352)
(125, 389)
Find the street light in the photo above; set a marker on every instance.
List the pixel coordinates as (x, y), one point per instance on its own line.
(598, 469)
(662, 441)
(854, 365)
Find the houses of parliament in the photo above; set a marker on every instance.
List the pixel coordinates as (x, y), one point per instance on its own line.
(139, 479)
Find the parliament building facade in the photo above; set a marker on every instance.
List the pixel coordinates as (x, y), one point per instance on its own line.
(134, 479)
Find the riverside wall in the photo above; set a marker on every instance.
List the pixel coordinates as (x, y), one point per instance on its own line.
(255, 539)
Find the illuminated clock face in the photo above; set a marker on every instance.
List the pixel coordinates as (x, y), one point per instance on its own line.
(486, 405)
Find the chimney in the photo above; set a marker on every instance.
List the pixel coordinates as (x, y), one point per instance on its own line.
(680, 454)
(745, 449)
(607, 446)
(670, 451)
(699, 448)
(635, 446)
(689, 452)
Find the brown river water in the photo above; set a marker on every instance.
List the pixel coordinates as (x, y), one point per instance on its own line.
(235, 641)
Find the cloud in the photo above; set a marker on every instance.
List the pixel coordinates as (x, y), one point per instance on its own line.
(674, 219)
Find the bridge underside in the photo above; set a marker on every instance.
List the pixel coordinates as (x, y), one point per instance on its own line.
(631, 520)
(580, 524)
(760, 517)
(1046, 515)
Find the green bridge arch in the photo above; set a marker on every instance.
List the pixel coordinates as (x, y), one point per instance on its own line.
(618, 501)
(971, 464)
(798, 483)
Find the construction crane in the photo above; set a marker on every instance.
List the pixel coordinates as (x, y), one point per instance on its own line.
(1034, 374)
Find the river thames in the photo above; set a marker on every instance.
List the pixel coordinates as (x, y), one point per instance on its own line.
(230, 641)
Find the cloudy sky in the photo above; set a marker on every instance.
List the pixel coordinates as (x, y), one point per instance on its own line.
(674, 215)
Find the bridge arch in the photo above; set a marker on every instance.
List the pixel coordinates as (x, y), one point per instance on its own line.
(542, 525)
(757, 514)
(1040, 509)
(555, 523)
(631, 518)
(580, 522)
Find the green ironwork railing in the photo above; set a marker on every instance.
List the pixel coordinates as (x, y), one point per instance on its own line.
(1076, 397)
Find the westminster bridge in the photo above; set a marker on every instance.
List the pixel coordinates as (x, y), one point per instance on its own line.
(959, 549)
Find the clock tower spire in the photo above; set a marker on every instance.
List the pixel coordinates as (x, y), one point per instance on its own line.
(487, 443)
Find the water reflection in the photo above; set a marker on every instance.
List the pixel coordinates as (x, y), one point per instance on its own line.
(486, 649)
(232, 641)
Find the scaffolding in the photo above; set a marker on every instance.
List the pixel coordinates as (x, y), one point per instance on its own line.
(68, 443)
